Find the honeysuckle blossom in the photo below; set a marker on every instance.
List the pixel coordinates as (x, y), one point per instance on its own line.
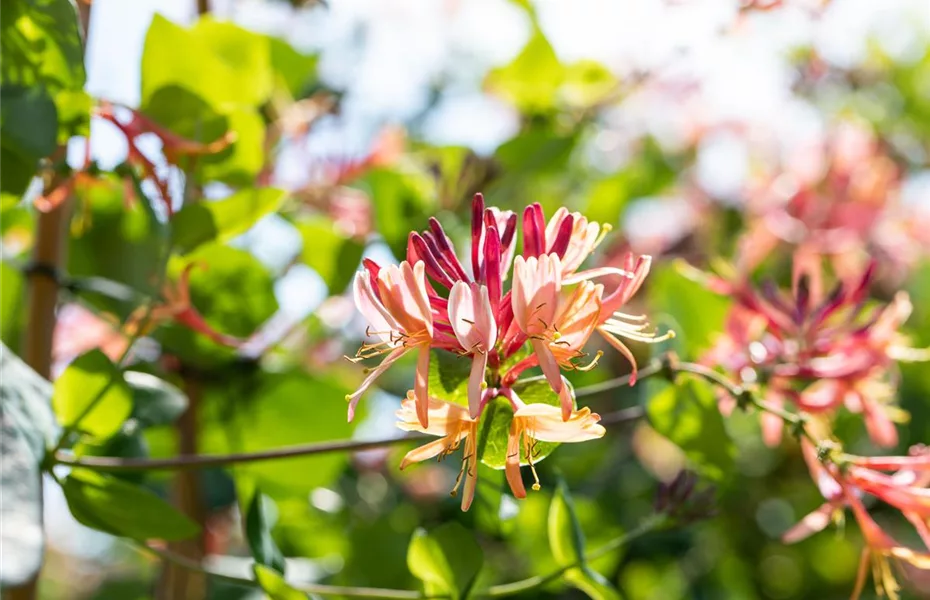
(543, 423)
(843, 487)
(473, 322)
(817, 351)
(394, 300)
(454, 425)
(553, 306)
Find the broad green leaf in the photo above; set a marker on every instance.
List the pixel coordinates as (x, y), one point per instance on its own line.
(532, 80)
(494, 427)
(566, 540)
(17, 172)
(294, 71)
(283, 409)
(42, 49)
(221, 63)
(12, 304)
(259, 520)
(222, 220)
(402, 203)
(186, 114)
(28, 121)
(239, 164)
(273, 584)
(447, 560)
(687, 414)
(695, 313)
(91, 379)
(27, 427)
(155, 401)
(567, 543)
(116, 240)
(120, 508)
(448, 376)
(533, 151)
(329, 252)
(586, 83)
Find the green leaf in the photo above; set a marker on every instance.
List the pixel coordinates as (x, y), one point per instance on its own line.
(120, 508)
(42, 49)
(532, 80)
(155, 401)
(293, 71)
(27, 426)
(261, 517)
(494, 427)
(239, 164)
(567, 543)
(12, 304)
(91, 379)
(116, 241)
(282, 409)
(448, 376)
(274, 584)
(647, 174)
(129, 442)
(17, 172)
(566, 539)
(402, 203)
(28, 121)
(329, 252)
(447, 560)
(222, 220)
(221, 63)
(687, 414)
(586, 83)
(696, 313)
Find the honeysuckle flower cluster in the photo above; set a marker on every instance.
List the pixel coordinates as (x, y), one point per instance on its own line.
(816, 352)
(844, 480)
(431, 301)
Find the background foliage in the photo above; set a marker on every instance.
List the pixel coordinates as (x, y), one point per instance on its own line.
(271, 224)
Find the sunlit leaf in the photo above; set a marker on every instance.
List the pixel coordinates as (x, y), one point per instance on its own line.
(448, 377)
(567, 543)
(42, 49)
(273, 584)
(687, 414)
(12, 304)
(115, 506)
(694, 312)
(332, 254)
(218, 61)
(92, 380)
(293, 70)
(259, 520)
(447, 560)
(402, 203)
(222, 220)
(531, 81)
(155, 401)
(27, 427)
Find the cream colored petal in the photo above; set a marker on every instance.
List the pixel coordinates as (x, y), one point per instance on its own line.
(544, 423)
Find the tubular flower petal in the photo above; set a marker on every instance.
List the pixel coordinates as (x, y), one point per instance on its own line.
(396, 304)
(584, 236)
(543, 423)
(473, 323)
(453, 425)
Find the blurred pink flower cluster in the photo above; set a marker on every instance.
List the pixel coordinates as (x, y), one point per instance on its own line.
(814, 351)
